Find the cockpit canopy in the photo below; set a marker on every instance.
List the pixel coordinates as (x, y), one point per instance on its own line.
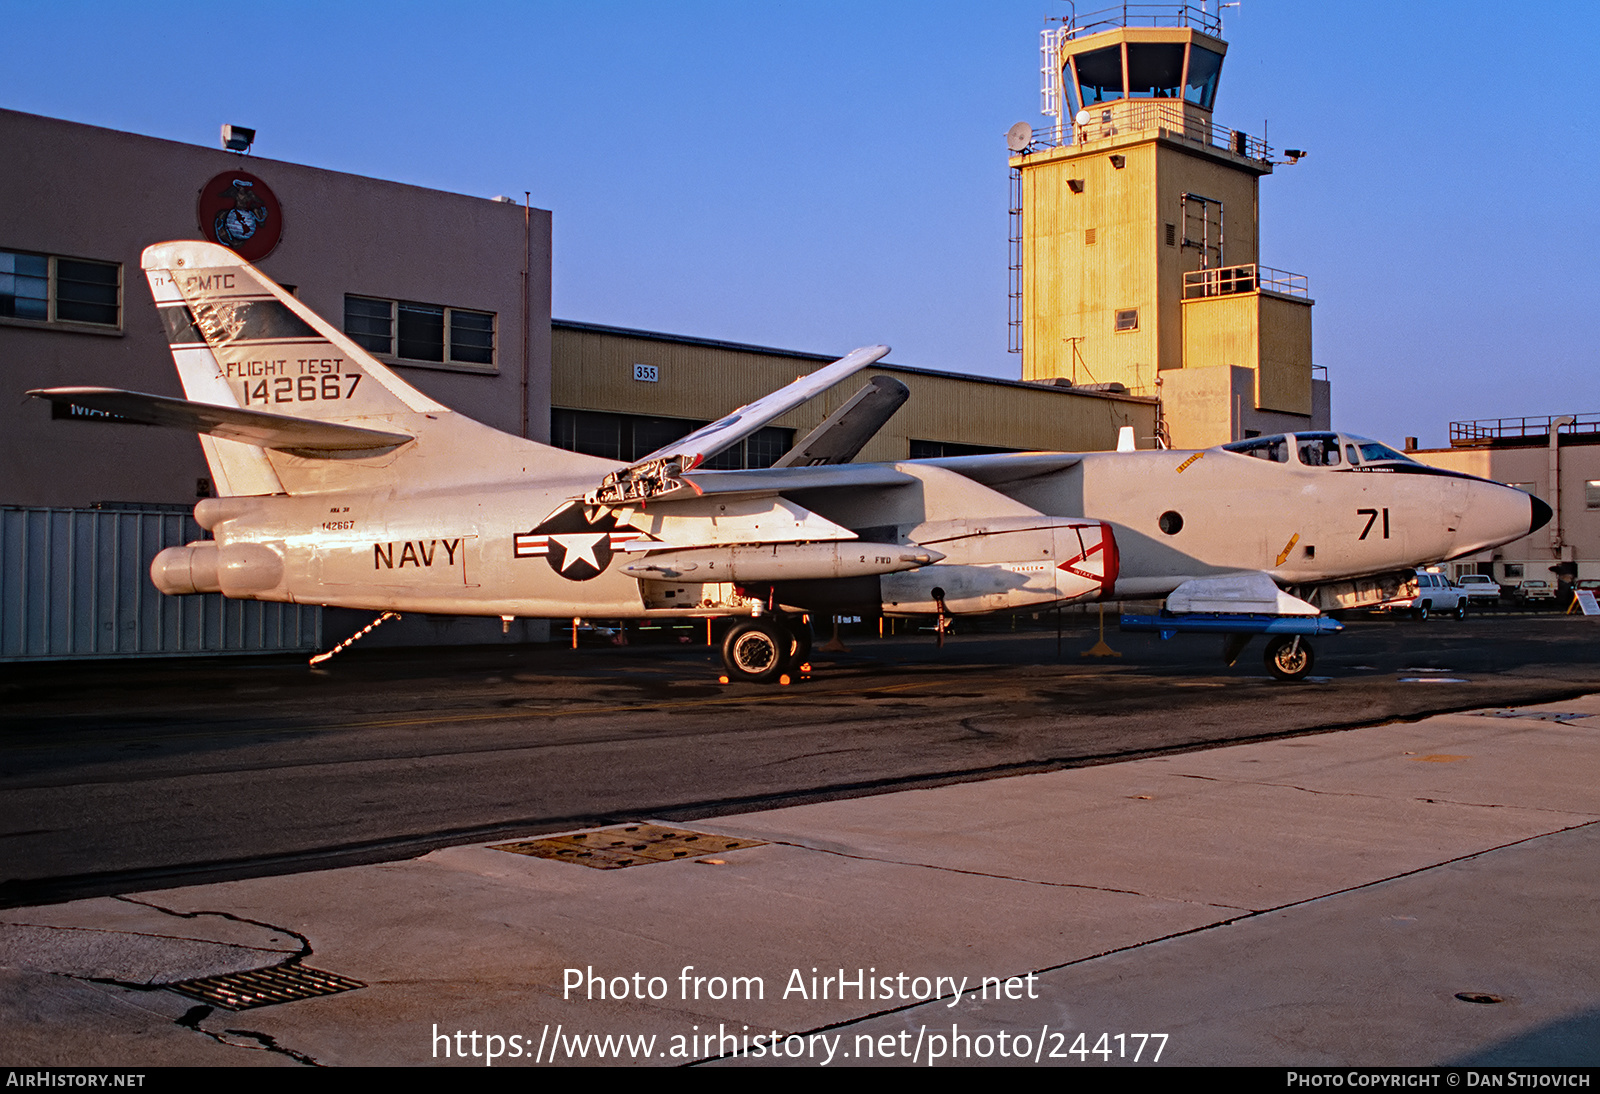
(1318, 449)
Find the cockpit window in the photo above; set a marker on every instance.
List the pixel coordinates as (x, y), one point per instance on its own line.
(1274, 448)
(1318, 449)
(1372, 450)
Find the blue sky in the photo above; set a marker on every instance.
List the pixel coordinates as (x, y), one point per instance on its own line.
(820, 176)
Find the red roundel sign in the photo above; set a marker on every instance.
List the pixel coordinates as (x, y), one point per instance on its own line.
(239, 212)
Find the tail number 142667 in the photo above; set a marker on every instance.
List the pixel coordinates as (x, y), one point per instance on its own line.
(301, 389)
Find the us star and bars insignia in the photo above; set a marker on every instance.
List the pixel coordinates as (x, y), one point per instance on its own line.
(576, 546)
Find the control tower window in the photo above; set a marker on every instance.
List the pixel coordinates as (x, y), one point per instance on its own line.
(1204, 68)
(1155, 70)
(1100, 74)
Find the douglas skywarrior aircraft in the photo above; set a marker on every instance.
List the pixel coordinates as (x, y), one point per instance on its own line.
(340, 484)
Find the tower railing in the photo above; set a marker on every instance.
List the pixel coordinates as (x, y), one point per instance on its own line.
(1133, 118)
(1145, 15)
(1488, 431)
(1250, 277)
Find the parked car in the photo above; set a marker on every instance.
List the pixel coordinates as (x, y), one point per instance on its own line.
(1435, 593)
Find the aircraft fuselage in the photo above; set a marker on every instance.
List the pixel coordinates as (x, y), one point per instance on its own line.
(524, 551)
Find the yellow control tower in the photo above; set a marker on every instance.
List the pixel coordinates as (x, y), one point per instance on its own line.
(1135, 235)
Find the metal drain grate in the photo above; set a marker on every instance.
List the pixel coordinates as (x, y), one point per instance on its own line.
(264, 987)
(1564, 717)
(628, 845)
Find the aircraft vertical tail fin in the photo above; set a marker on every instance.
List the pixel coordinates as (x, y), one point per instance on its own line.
(236, 468)
(240, 341)
(267, 350)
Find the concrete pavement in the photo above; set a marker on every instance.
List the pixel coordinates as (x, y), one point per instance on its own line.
(1323, 899)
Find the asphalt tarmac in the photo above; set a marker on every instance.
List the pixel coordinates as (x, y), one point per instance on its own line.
(980, 854)
(141, 775)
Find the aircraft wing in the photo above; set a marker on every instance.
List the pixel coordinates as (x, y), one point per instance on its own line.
(301, 436)
(773, 480)
(660, 472)
(1002, 467)
(846, 432)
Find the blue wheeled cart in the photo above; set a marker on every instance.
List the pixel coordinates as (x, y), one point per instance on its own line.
(1288, 654)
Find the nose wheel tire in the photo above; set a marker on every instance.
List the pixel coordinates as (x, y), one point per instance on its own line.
(756, 651)
(1289, 657)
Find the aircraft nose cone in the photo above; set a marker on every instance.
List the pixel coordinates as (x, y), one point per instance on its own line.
(1541, 515)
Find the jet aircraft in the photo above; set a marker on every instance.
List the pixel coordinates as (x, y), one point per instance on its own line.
(340, 484)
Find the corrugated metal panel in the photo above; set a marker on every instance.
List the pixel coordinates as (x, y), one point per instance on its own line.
(593, 371)
(75, 583)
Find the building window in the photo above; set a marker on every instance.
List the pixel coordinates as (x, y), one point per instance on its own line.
(429, 333)
(1591, 494)
(1128, 319)
(54, 289)
(370, 323)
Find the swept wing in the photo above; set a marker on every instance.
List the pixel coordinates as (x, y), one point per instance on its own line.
(661, 472)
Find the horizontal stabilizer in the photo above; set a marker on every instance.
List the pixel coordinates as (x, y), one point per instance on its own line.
(846, 432)
(300, 436)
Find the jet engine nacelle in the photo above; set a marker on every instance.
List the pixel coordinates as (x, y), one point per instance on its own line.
(236, 570)
(1005, 564)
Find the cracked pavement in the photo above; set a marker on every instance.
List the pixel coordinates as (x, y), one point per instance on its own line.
(1306, 900)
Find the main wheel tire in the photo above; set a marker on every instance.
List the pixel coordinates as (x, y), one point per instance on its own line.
(800, 646)
(755, 650)
(1289, 657)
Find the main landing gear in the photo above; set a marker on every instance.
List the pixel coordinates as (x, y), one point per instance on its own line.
(760, 649)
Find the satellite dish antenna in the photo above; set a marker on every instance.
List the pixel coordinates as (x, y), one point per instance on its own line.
(1082, 118)
(1019, 137)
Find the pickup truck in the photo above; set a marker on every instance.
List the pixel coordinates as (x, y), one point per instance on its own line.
(1536, 593)
(1481, 590)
